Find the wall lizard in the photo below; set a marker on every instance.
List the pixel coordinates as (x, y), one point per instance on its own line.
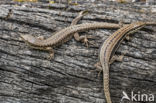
(64, 35)
(110, 46)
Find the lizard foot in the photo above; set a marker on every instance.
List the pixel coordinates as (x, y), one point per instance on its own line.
(51, 52)
(117, 58)
(98, 68)
(51, 56)
(86, 41)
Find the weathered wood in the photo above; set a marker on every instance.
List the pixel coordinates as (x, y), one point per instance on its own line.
(26, 76)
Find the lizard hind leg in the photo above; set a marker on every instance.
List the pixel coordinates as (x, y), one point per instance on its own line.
(98, 68)
(83, 39)
(86, 41)
(116, 58)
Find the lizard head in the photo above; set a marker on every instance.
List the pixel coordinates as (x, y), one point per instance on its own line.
(28, 38)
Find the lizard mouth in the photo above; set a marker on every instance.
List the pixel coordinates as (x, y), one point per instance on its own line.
(28, 38)
(22, 37)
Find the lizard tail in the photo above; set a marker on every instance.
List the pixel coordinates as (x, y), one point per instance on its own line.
(106, 90)
(106, 86)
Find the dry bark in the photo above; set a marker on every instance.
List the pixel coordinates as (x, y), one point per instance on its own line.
(26, 76)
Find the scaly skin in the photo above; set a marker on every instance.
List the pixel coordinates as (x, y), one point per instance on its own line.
(110, 46)
(65, 34)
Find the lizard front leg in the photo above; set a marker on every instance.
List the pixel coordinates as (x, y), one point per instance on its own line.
(117, 57)
(51, 52)
(48, 49)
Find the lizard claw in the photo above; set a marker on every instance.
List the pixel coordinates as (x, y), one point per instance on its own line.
(51, 56)
(86, 41)
(51, 52)
(98, 68)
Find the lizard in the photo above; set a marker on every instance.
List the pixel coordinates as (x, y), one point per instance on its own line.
(65, 35)
(108, 49)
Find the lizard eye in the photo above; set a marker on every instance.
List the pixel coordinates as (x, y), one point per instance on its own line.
(28, 38)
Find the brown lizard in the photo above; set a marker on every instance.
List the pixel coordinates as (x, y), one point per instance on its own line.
(109, 48)
(64, 35)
